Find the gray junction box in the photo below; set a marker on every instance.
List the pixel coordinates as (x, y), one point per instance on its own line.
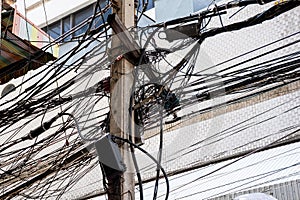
(109, 154)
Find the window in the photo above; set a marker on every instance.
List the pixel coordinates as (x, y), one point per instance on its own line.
(80, 16)
(54, 30)
(149, 6)
(99, 20)
(64, 25)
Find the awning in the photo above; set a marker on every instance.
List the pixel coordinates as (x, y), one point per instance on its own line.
(17, 54)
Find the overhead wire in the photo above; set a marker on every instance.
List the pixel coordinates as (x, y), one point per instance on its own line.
(152, 158)
(42, 87)
(236, 160)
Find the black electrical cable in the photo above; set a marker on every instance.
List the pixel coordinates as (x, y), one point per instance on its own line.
(252, 179)
(73, 52)
(246, 71)
(152, 158)
(35, 84)
(228, 86)
(272, 12)
(160, 149)
(238, 159)
(236, 170)
(34, 106)
(131, 113)
(145, 5)
(223, 135)
(138, 173)
(246, 96)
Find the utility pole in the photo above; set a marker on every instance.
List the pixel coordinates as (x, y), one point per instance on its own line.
(121, 185)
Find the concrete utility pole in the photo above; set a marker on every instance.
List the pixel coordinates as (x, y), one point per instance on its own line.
(121, 185)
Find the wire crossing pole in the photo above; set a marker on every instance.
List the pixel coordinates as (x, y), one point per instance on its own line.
(120, 185)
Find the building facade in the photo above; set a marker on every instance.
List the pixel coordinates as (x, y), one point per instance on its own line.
(208, 141)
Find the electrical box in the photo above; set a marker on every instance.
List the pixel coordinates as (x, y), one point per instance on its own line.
(109, 154)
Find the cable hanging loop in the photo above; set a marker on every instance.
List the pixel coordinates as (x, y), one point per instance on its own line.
(79, 131)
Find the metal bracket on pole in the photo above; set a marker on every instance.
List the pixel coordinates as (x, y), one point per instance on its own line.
(132, 50)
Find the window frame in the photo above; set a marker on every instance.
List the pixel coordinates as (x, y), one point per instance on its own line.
(72, 23)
